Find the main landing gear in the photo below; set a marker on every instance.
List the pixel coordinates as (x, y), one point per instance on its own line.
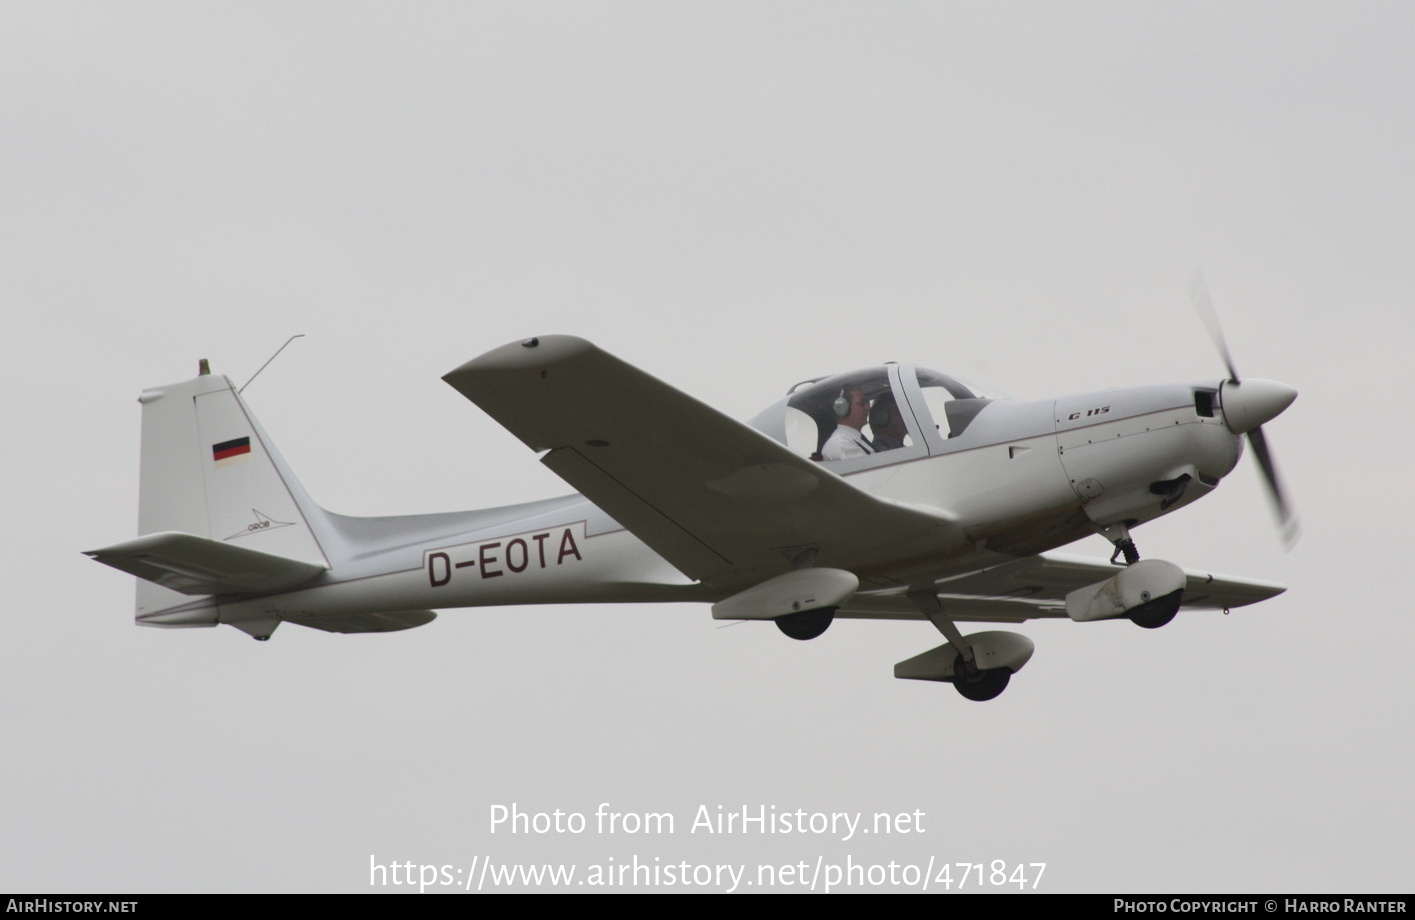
(802, 602)
(976, 684)
(979, 666)
(807, 624)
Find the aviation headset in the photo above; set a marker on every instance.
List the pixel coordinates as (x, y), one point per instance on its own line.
(842, 402)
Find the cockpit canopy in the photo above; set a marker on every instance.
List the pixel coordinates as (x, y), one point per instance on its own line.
(873, 416)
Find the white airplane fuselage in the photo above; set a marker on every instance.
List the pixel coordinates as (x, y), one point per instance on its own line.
(946, 511)
(1029, 477)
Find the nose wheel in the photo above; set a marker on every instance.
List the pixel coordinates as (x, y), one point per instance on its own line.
(1153, 613)
(1157, 612)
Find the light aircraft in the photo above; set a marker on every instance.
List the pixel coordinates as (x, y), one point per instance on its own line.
(948, 511)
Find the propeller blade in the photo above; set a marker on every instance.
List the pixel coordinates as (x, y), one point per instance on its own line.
(1264, 402)
(1204, 304)
(1288, 527)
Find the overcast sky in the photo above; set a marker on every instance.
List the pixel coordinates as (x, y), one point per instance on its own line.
(734, 197)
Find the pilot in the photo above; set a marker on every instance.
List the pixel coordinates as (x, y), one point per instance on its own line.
(852, 408)
(886, 424)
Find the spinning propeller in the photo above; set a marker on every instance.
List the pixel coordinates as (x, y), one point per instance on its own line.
(1247, 404)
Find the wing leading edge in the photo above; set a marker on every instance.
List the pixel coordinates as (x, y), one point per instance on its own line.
(718, 499)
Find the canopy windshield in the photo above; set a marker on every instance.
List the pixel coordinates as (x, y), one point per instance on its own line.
(847, 416)
(873, 416)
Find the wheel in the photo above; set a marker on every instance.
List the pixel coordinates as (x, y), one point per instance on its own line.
(980, 685)
(807, 624)
(1156, 613)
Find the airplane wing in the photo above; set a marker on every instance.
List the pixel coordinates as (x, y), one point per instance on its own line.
(718, 499)
(1036, 587)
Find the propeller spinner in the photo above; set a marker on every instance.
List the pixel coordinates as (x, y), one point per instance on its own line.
(1247, 404)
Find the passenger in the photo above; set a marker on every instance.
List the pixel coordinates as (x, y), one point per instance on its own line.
(886, 424)
(852, 408)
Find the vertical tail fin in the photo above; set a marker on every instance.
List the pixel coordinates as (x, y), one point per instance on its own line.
(209, 470)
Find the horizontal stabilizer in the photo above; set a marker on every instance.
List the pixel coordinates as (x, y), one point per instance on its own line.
(367, 622)
(198, 565)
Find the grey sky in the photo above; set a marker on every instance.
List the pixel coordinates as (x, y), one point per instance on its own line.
(734, 197)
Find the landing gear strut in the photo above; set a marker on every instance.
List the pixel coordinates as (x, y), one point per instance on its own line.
(1126, 548)
(1119, 534)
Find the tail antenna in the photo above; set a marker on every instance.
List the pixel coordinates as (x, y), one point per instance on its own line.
(298, 335)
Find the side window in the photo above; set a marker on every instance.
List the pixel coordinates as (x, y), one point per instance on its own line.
(802, 432)
(936, 398)
(951, 405)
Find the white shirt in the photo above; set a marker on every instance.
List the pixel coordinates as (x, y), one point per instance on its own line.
(845, 443)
